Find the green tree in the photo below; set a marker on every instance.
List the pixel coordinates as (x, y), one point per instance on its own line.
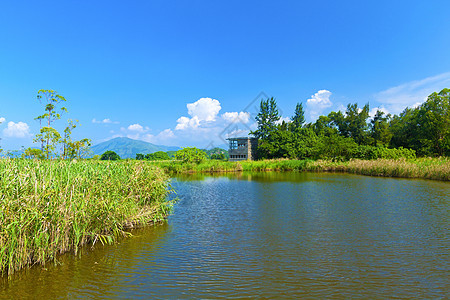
(218, 156)
(356, 120)
(48, 136)
(379, 129)
(404, 128)
(266, 119)
(299, 117)
(353, 124)
(160, 155)
(67, 139)
(426, 128)
(109, 155)
(324, 125)
(140, 156)
(79, 149)
(51, 137)
(434, 118)
(191, 154)
(33, 153)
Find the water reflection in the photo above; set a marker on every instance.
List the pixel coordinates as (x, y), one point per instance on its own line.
(270, 235)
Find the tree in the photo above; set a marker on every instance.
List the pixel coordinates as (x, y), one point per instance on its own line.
(353, 124)
(434, 118)
(191, 154)
(160, 155)
(267, 117)
(51, 137)
(67, 139)
(426, 128)
(79, 149)
(109, 155)
(33, 153)
(48, 136)
(379, 129)
(299, 117)
(218, 156)
(140, 156)
(356, 120)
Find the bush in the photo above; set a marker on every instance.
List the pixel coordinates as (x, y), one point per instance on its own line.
(110, 155)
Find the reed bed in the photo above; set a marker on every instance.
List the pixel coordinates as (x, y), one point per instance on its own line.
(428, 168)
(51, 207)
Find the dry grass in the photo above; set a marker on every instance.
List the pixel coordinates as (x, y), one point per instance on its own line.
(427, 168)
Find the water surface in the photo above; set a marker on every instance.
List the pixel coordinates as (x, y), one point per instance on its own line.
(269, 235)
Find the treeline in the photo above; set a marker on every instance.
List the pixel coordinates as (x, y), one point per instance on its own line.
(421, 131)
(190, 153)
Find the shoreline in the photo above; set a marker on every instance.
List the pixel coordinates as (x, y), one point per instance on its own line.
(422, 168)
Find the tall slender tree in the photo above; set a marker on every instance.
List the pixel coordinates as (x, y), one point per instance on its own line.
(299, 117)
(266, 119)
(49, 136)
(379, 129)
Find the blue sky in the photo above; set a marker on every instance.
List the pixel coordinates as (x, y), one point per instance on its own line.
(185, 73)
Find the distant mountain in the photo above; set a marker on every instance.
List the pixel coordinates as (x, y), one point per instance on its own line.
(127, 148)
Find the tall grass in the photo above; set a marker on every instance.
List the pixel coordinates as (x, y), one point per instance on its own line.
(428, 168)
(51, 207)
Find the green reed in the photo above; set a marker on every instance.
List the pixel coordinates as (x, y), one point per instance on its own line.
(429, 168)
(51, 207)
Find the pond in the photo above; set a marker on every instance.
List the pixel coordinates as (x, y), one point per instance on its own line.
(269, 235)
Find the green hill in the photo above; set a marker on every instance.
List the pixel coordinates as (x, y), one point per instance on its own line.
(127, 148)
(216, 151)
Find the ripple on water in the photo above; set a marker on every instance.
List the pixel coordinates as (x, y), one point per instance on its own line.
(284, 235)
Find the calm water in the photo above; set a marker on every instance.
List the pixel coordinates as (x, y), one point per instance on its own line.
(270, 235)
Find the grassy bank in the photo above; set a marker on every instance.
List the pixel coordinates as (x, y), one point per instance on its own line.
(428, 168)
(51, 207)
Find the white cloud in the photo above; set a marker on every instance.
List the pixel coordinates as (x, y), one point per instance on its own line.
(237, 133)
(410, 94)
(235, 117)
(285, 119)
(137, 128)
(374, 110)
(205, 109)
(185, 123)
(104, 121)
(318, 103)
(17, 130)
(163, 137)
(2, 120)
(204, 125)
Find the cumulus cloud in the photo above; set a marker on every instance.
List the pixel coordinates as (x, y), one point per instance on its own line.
(318, 103)
(2, 120)
(185, 123)
(204, 110)
(104, 121)
(17, 130)
(137, 128)
(236, 117)
(163, 137)
(411, 94)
